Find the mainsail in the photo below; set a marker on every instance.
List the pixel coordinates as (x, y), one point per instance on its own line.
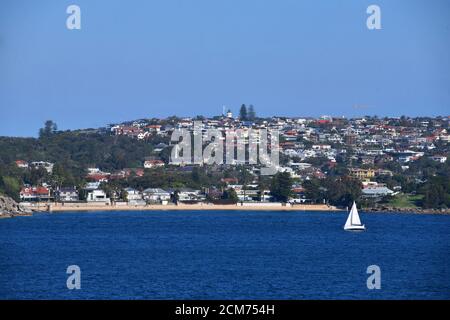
(353, 220)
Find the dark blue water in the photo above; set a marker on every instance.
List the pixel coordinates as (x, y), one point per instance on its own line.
(223, 255)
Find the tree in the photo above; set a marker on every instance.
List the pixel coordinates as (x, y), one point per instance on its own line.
(37, 176)
(314, 191)
(11, 186)
(176, 196)
(49, 129)
(436, 193)
(338, 191)
(251, 114)
(243, 113)
(230, 195)
(281, 186)
(124, 194)
(245, 177)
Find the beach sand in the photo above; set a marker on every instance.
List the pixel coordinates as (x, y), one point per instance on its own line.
(58, 207)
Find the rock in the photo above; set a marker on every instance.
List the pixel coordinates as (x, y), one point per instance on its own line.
(10, 207)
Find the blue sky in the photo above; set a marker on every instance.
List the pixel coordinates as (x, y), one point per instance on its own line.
(137, 59)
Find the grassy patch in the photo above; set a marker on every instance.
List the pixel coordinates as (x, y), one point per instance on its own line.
(405, 201)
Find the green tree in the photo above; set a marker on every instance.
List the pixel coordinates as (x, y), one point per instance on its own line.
(435, 194)
(280, 187)
(251, 113)
(49, 129)
(243, 113)
(37, 176)
(11, 186)
(230, 195)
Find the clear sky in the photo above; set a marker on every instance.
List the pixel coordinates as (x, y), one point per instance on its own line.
(156, 58)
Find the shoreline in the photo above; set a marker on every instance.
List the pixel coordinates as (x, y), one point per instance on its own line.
(92, 207)
(406, 210)
(80, 207)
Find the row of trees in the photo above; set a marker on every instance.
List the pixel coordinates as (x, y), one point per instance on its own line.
(339, 191)
(247, 114)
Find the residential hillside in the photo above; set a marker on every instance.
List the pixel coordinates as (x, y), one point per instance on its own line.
(380, 162)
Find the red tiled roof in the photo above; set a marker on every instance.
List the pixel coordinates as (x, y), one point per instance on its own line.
(35, 191)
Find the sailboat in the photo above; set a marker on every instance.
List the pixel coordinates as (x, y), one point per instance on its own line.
(353, 222)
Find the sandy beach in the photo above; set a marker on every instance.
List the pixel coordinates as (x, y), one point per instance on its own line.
(69, 207)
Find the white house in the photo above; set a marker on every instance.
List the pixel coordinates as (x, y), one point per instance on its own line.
(187, 194)
(98, 196)
(374, 189)
(438, 158)
(92, 185)
(67, 194)
(133, 194)
(43, 164)
(321, 147)
(148, 164)
(156, 195)
(134, 197)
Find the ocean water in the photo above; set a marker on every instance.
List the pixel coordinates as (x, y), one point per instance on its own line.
(224, 255)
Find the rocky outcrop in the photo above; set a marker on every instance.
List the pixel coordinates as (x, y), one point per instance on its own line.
(9, 207)
(407, 210)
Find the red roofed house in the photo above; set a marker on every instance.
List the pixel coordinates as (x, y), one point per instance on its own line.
(230, 180)
(21, 164)
(98, 177)
(35, 194)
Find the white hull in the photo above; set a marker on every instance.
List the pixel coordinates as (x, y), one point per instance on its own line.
(355, 228)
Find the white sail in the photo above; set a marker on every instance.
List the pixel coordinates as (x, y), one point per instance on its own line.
(353, 222)
(348, 223)
(355, 216)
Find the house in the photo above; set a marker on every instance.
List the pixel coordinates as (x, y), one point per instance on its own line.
(92, 186)
(48, 166)
(376, 191)
(384, 172)
(148, 164)
(318, 147)
(439, 158)
(35, 194)
(98, 177)
(98, 196)
(300, 165)
(21, 164)
(130, 131)
(228, 181)
(133, 194)
(160, 147)
(190, 195)
(362, 173)
(154, 128)
(67, 194)
(93, 171)
(134, 197)
(156, 195)
(139, 172)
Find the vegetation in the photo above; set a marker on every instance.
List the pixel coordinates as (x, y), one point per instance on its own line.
(405, 201)
(247, 114)
(280, 187)
(338, 191)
